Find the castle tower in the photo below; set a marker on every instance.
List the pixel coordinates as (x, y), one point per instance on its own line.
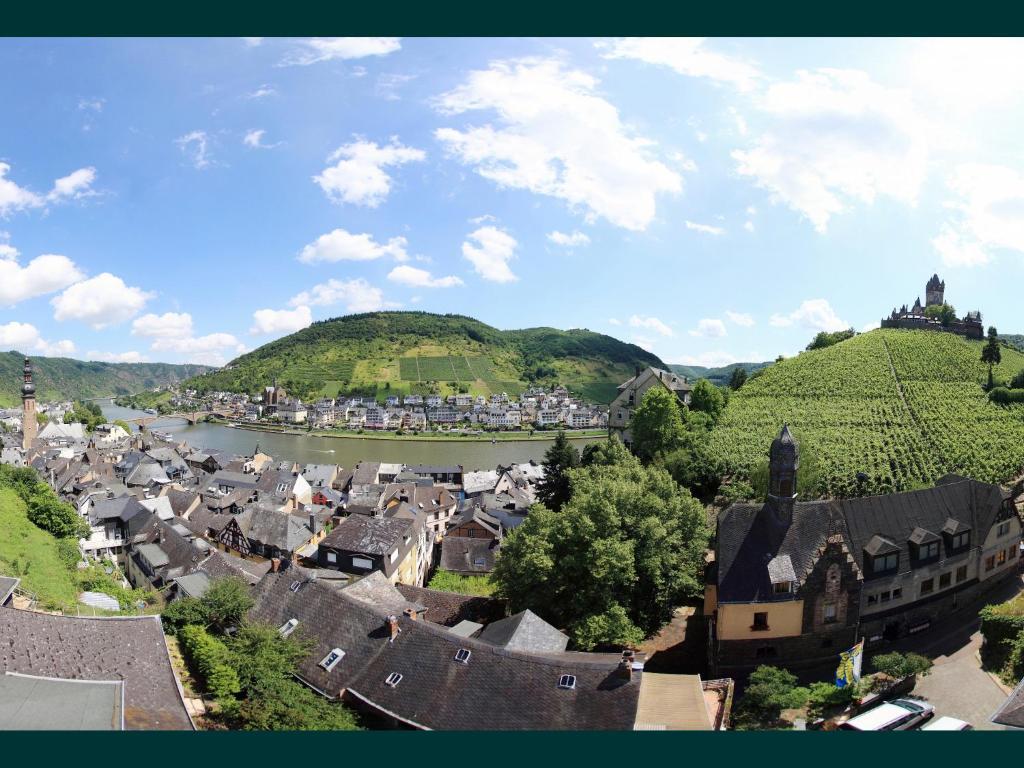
(783, 463)
(29, 424)
(934, 291)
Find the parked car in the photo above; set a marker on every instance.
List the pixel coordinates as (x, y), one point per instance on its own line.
(895, 715)
(948, 724)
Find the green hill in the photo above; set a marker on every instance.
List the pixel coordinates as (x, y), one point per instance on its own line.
(904, 407)
(398, 353)
(719, 376)
(61, 378)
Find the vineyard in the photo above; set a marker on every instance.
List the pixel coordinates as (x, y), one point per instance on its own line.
(902, 407)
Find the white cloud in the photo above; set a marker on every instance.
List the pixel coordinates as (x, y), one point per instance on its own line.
(387, 85)
(687, 56)
(836, 138)
(318, 49)
(572, 240)
(91, 105)
(643, 341)
(421, 278)
(740, 318)
(988, 214)
(75, 185)
(816, 314)
(614, 321)
(748, 225)
(194, 145)
(341, 245)
(280, 320)
(15, 198)
(710, 327)
(170, 325)
(252, 42)
(651, 323)
(44, 274)
(870, 327)
(24, 337)
(961, 75)
(557, 137)
(100, 301)
(116, 357)
(355, 295)
(707, 229)
(263, 92)
(491, 254)
(254, 140)
(358, 176)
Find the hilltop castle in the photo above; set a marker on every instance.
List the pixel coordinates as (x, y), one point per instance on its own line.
(916, 317)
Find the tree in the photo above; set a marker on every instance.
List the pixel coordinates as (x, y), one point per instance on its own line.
(944, 313)
(991, 353)
(553, 489)
(897, 665)
(695, 466)
(657, 424)
(825, 339)
(227, 601)
(738, 378)
(627, 547)
(707, 398)
(769, 691)
(1018, 380)
(123, 425)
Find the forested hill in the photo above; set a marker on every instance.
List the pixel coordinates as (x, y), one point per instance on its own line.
(61, 378)
(719, 376)
(419, 352)
(903, 407)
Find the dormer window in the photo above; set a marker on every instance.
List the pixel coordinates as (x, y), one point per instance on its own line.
(288, 627)
(885, 563)
(782, 587)
(928, 551)
(961, 540)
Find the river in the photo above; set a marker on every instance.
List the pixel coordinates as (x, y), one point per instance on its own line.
(348, 451)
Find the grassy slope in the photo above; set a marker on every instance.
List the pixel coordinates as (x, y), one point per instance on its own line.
(364, 352)
(31, 555)
(61, 378)
(846, 401)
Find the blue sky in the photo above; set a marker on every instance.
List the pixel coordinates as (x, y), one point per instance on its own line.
(712, 200)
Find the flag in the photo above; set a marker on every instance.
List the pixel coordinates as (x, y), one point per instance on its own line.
(850, 664)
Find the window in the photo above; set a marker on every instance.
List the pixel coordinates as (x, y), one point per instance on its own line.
(362, 562)
(872, 599)
(897, 593)
(567, 681)
(1001, 557)
(393, 679)
(783, 587)
(961, 573)
(1012, 552)
(961, 540)
(288, 627)
(760, 622)
(884, 563)
(885, 597)
(830, 613)
(927, 586)
(295, 586)
(462, 655)
(945, 580)
(332, 557)
(331, 659)
(928, 551)
(990, 562)
(1003, 529)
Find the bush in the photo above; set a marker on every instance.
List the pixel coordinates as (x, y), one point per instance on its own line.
(183, 612)
(69, 553)
(211, 659)
(769, 691)
(1004, 396)
(826, 698)
(1002, 626)
(897, 665)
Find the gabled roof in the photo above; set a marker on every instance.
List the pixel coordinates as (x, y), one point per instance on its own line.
(525, 631)
(372, 535)
(462, 554)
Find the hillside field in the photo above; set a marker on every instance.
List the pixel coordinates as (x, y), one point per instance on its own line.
(904, 407)
(399, 353)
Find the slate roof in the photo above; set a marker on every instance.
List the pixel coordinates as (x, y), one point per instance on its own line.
(462, 554)
(525, 631)
(371, 535)
(72, 648)
(31, 703)
(498, 689)
(1011, 713)
(122, 508)
(450, 608)
(180, 500)
(376, 589)
(278, 529)
(7, 585)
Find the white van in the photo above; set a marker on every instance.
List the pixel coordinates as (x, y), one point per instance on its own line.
(895, 715)
(948, 724)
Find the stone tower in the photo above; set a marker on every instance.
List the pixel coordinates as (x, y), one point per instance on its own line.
(934, 291)
(783, 463)
(29, 424)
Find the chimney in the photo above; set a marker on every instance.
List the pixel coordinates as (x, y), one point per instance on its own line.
(411, 613)
(275, 564)
(312, 522)
(625, 670)
(393, 627)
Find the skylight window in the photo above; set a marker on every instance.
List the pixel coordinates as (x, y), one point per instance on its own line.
(288, 627)
(331, 660)
(296, 586)
(393, 679)
(567, 681)
(462, 655)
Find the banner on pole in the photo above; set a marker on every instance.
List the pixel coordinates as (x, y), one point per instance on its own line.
(850, 664)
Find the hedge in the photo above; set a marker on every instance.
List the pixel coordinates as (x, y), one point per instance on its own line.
(211, 659)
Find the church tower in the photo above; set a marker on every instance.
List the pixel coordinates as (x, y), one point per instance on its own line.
(29, 425)
(934, 292)
(783, 463)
